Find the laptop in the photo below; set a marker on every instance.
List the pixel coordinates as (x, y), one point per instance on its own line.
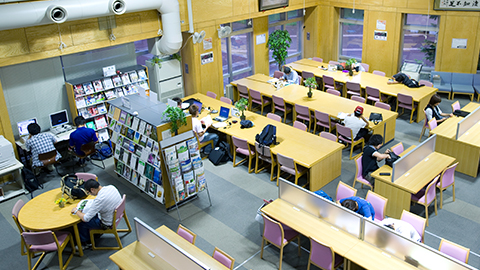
(223, 115)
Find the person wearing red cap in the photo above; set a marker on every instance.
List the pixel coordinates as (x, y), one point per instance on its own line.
(357, 123)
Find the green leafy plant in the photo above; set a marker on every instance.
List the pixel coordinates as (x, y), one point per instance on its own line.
(177, 56)
(428, 48)
(310, 82)
(156, 61)
(349, 63)
(242, 105)
(278, 42)
(176, 116)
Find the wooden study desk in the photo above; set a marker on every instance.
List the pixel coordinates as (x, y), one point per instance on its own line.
(466, 149)
(134, 256)
(370, 257)
(399, 192)
(41, 213)
(321, 156)
(322, 101)
(420, 95)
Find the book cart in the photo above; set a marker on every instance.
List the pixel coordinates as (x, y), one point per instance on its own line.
(88, 96)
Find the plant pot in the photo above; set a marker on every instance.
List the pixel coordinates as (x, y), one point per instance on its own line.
(309, 94)
(350, 72)
(61, 204)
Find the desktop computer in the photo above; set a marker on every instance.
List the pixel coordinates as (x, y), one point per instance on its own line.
(59, 122)
(23, 128)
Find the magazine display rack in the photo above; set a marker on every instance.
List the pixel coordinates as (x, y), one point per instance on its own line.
(87, 96)
(185, 168)
(135, 135)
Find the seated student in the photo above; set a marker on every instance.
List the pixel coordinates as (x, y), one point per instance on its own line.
(179, 101)
(403, 78)
(359, 206)
(371, 156)
(40, 143)
(202, 133)
(357, 123)
(432, 110)
(291, 75)
(403, 228)
(82, 135)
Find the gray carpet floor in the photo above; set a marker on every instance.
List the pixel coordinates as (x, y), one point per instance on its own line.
(229, 223)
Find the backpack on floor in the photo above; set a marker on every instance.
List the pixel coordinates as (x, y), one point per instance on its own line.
(104, 150)
(220, 154)
(73, 187)
(268, 136)
(30, 181)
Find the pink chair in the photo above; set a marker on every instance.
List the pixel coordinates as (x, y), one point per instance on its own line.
(278, 74)
(328, 82)
(358, 98)
(307, 74)
(454, 250)
(365, 66)
(358, 175)
(323, 120)
(300, 125)
(426, 83)
(264, 154)
(333, 92)
(331, 62)
(426, 197)
(447, 179)
(378, 72)
(242, 147)
(274, 117)
(278, 235)
(317, 59)
(186, 234)
(379, 204)
(382, 105)
(328, 135)
(48, 241)
(344, 191)
(15, 210)
(211, 94)
(432, 123)
(406, 102)
(354, 88)
(86, 176)
(397, 148)
(223, 258)
(289, 165)
(279, 104)
(226, 100)
(257, 98)
(425, 126)
(242, 91)
(303, 113)
(456, 106)
(373, 94)
(416, 221)
(345, 134)
(323, 256)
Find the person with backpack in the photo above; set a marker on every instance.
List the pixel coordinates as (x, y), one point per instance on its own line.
(202, 133)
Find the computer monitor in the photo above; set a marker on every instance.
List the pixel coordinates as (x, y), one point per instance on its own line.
(23, 125)
(58, 118)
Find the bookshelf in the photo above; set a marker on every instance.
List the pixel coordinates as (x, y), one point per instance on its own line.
(136, 133)
(88, 96)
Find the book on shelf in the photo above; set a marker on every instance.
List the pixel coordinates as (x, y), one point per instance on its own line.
(88, 88)
(170, 155)
(126, 157)
(144, 155)
(97, 84)
(138, 150)
(182, 151)
(90, 100)
(136, 138)
(133, 76)
(135, 123)
(119, 168)
(116, 114)
(107, 83)
(143, 85)
(125, 79)
(128, 120)
(90, 124)
(130, 133)
(157, 176)
(186, 165)
(131, 147)
(148, 130)
(155, 147)
(117, 128)
(110, 94)
(143, 141)
(80, 101)
(116, 153)
(152, 188)
(126, 143)
(92, 111)
(99, 97)
(160, 194)
(119, 92)
(117, 81)
(114, 136)
(120, 140)
(141, 127)
(123, 117)
(111, 111)
(103, 135)
(151, 158)
(149, 144)
(78, 90)
(141, 74)
(142, 182)
(100, 122)
(134, 179)
(133, 162)
(127, 173)
(101, 108)
(141, 167)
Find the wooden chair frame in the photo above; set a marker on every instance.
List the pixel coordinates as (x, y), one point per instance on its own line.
(60, 249)
(273, 164)
(347, 186)
(407, 213)
(356, 173)
(226, 255)
(297, 174)
(180, 226)
(203, 144)
(353, 143)
(457, 245)
(381, 197)
(426, 204)
(442, 189)
(413, 109)
(250, 158)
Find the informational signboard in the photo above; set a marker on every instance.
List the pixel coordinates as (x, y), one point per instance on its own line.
(465, 5)
(380, 35)
(206, 58)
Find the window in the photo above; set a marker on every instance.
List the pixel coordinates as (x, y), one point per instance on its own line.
(237, 52)
(420, 34)
(291, 21)
(351, 34)
(141, 51)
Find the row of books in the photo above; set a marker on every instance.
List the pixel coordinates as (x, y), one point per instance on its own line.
(99, 122)
(131, 126)
(100, 85)
(93, 111)
(150, 169)
(89, 100)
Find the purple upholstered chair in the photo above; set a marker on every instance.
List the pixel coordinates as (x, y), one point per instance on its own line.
(279, 104)
(258, 98)
(378, 72)
(289, 165)
(373, 94)
(416, 221)
(274, 117)
(323, 256)
(47, 241)
(303, 113)
(358, 98)
(186, 234)
(447, 179)
(242, 91)
(211, 94)
(226, 100)
(358, 175)
(328, 135)
(382, 105)
(223, 258)
(379, 204)
(398, 148)
(242, 147)
(318, 59)
(345, 134)
(15, 210)
(426, 196)
(323, 120)
(344, 191)
(406, 102)
(278, 74)
(454, 250)
(354, 88)
(333, 92)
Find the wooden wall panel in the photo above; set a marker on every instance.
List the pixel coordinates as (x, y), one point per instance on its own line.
(206, 10)
(128, 25)
(46, 37)
(311, 47)
(149, 21)
(241, 7)
(395, 3)
(5, 125)
(13, 43)
(327, 33)
(260, 27)
(87, 32)
(188, 57)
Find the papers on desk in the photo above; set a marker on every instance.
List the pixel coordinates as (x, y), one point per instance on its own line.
(342, 115)
(207, 120)
(219, 124)
(274, 80)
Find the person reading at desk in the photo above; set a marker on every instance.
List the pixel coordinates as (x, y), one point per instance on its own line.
(82, 135)
(291, 76)
(404, 228)
(357, 123)
(432, 110)
(100, 211)
(40, 143)
(371, 156)
(203, 135)
(359, 206)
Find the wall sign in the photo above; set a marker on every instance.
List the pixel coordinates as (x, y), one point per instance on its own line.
(465, 5)
(380, 35)
(206, 58)
(459, 43)
(109, 71)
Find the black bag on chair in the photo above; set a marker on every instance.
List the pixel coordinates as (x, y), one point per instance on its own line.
(73, 187)
(393, 157)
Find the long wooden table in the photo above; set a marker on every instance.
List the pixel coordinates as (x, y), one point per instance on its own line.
(41, 214)
(135, 256)
(399, 192)
(321, 156)
(466, 149)
(420, 95)
(322, 101)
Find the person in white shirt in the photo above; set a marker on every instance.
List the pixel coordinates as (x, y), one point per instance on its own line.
(202, 133)
(101, 209)
(291, 76)
(432, 110)
(357, 123)
(404, 228)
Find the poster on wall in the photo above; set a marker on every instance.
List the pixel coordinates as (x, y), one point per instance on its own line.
(380, 35)
(206, 58)
(459, 43)
(464, 5)
(381, 24)
(207, 44)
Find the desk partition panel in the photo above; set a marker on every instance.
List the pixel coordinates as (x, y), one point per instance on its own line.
(320, 207)
(412, 158)
(417, 254)
(168, 251)
(468, 122)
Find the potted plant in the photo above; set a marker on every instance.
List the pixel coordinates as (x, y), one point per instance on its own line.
(61, 202)
(278, 42)
(156, 61)
(310, 83)
(349, 65)
(176, 116)
(242, 105)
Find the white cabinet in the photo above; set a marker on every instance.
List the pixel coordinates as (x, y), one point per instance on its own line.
(166, 80)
